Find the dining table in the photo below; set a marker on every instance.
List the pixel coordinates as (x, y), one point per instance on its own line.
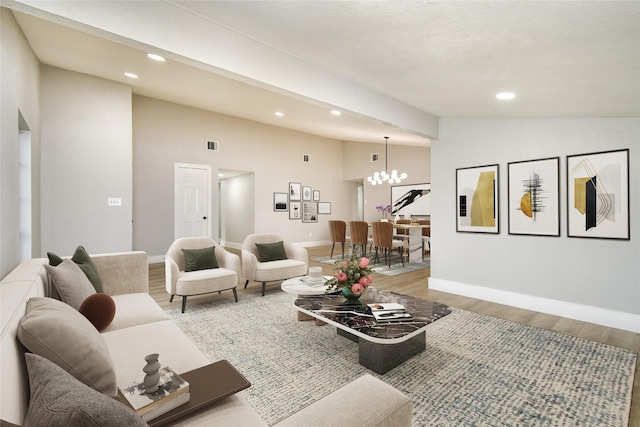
(413, 245)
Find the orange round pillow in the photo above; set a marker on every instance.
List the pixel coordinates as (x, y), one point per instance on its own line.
(99, 309)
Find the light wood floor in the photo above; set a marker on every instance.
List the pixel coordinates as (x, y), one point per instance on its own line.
(415, 284)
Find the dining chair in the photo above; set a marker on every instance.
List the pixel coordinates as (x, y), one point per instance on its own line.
(359, 234)
(383, 239)
(338, 231)
(402, 235)
(426, 235)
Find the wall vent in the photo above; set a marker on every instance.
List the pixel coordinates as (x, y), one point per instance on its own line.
(306, 158)
(375, 157)
(213, 145)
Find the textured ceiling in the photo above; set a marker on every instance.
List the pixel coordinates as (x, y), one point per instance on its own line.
(445, 58)
(450, 58)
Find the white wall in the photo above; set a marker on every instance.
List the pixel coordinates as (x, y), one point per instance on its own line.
(86, 158)
(592, 279)
(19, 75)
(165, 133)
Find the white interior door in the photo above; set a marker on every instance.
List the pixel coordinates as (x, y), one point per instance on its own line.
(192, 190)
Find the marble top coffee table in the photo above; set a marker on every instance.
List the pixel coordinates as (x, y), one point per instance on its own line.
(382, 346)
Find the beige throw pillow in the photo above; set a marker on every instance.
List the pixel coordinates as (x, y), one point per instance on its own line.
(57, 332)
(72, 284)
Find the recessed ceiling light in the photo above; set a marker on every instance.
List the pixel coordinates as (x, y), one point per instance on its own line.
(155, 57)
(220, 175)
(336, 112)
(505, 95)
(133, 76)
(279, 113)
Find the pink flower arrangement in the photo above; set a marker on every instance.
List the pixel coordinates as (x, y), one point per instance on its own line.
(353, 272)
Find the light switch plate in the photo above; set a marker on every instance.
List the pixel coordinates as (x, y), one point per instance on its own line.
(114, 201)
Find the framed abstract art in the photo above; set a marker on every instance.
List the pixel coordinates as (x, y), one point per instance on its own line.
(598, 195)
(477, 199)
(412, 199)
(534, 197)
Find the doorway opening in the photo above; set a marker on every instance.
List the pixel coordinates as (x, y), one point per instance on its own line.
(236, 206)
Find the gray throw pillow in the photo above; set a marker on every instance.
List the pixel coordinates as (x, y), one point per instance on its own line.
(52, 329)
(271, 251)
(200, 259)
(58, 399)
(72, 284)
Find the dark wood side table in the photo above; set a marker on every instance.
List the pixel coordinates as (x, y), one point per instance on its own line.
(207, 386)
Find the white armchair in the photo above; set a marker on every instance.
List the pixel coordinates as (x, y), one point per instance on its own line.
(200, 281)
(253, 269)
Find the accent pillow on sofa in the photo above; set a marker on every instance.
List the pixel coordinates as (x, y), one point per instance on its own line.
(70, 282)
(55, 331)
(271, 251)
(100, 309)
(200, 259)
(58, 399)
(84, 261)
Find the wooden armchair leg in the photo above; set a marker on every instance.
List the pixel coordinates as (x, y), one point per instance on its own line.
(235, 294)
(264, 287)
(171, 299)
(184, 303)
(245, 284)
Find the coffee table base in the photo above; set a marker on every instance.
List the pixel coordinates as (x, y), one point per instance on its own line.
(381, 358)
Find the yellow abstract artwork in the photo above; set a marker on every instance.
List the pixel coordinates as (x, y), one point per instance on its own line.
(483, 205)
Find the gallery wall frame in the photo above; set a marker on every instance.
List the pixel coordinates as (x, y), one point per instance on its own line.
(533, 197)
(306, 193)
(309, 212)
(295, 191)
(477, 199)
(324, 208)
(411, 199)
(316, 195)
(598, 195)
(280, 202)
(295, 210)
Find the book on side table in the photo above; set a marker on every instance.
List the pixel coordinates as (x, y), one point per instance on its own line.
(172, 392)
(390, 312)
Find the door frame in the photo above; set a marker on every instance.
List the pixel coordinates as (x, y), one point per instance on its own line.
(176, 167)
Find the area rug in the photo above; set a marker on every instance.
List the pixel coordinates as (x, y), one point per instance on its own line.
(476, 371)
(382, 268)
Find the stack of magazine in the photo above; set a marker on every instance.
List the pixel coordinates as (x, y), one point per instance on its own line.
(172, 392)
(315, 281)
(390, 312)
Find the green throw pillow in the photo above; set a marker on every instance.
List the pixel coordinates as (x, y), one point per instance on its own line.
(200, 259)
(84, 261)
(271, 251)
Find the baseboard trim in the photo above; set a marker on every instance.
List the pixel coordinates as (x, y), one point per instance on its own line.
(585, 313)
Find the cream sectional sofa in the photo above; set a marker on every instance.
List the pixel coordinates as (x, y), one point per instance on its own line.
(141, 327)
